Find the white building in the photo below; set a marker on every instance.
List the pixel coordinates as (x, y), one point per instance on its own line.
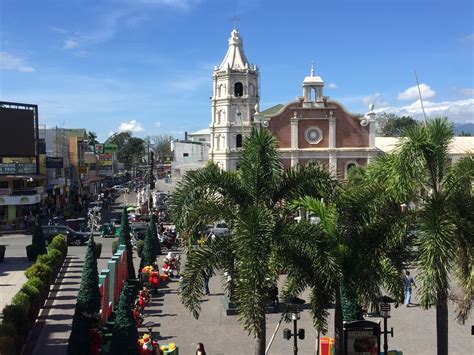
(235, 97)
(188, 155)
(201, 136)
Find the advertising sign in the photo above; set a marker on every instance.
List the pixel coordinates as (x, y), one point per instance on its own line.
(17, 168)
(362, 338)
(54, 163)
(110, 148)
(99, 149)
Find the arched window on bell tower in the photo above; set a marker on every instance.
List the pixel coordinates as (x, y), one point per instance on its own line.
(238, 89)
(238, 141)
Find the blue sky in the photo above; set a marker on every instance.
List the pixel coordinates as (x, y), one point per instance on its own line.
(146, 65)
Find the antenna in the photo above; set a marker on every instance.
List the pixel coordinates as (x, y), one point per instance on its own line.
(421, 99)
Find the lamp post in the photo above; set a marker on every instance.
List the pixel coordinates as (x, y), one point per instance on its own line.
(385, 308)
(297, 333)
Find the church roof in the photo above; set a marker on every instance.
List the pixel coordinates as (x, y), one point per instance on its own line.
(235, 57)
(272, 110)
(312, 80)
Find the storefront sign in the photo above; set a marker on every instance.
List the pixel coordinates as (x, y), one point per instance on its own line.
(362, 337)
(54, 162)
(82, 170)
(110, 148)
(99, 148)
(17, 168)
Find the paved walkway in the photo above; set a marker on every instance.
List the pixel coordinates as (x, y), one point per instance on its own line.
(12, 278)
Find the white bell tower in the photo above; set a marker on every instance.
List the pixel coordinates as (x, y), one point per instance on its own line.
(235, 95)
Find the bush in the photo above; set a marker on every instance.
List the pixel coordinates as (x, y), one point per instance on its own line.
(140, 244)
(59, 243)
(115, 245)
(22, 299)
(16, 316)
(37, 283)
(7, 345)
(31, 252)
(56, 259)
(43, 271)
(31, 291)
(98, 250)
(7, 329)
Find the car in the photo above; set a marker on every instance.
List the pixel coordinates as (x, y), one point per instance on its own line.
(220, 229)
(72, 237)
(120, 188)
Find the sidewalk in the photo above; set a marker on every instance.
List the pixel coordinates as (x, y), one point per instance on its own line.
(12, 277)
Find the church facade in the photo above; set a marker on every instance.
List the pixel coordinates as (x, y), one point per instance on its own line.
(312, 128)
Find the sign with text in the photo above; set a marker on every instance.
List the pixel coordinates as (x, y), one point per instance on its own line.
(99, 149)
(54, 162)
(362, 338)
(17, 168)
(110, 148)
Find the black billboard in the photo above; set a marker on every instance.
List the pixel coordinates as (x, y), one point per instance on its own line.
(17, 132)
(54, 163)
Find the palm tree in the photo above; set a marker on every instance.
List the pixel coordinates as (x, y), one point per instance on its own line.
(420, 170)
(250, 199)
(366, 236)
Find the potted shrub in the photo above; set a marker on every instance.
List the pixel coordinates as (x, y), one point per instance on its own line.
(98, 249)
(2, 252)
(115, 245)
(31, 253)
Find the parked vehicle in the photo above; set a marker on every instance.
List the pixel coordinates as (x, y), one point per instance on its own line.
(220, 229)
(72, 237)
(77, 224)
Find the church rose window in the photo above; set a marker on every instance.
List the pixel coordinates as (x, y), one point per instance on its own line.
(238, 89)
(314, 135)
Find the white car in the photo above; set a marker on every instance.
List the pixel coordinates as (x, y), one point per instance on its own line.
(120, 188)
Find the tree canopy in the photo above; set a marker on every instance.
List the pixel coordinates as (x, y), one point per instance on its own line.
(391, 125)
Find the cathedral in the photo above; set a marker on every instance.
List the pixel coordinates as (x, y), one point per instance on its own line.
(312, 128)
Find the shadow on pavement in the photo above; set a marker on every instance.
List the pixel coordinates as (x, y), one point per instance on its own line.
(14, 263)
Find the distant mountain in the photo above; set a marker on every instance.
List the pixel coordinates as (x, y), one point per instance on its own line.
(463, 127)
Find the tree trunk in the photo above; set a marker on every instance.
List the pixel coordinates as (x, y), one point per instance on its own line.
(260, 340)
(338, 325)
(442, 324)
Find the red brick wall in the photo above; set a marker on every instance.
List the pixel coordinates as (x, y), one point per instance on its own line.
(286, 163)
(305, 124)
(341, 165)
(349, 132)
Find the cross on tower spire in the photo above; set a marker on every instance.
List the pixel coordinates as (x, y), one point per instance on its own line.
(235, 19)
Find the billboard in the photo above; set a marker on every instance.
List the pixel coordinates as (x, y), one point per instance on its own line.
(17, 136)
(54, 162)
(17, 168)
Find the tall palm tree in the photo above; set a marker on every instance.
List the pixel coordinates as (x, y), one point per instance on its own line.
(250, 199)
(420, 170)
(366, 232)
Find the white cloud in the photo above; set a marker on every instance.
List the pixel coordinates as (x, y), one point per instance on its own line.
(412, 93)
(469, 38)
(58, 29)
(332, 86)
(457, 111)
(132, 126)
(158, 124)
(468, 92)
(70, 44)
(10, 62)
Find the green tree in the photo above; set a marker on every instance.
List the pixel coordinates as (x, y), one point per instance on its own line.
(37, 240)
(124, 332)
(391, 125)
(162, 147)
(129, 149)
(124, 239)
(87, 305)
(92, 138)
(420, 170)
(155, 240)
(148, 255)
(366, 236)
(250, 199)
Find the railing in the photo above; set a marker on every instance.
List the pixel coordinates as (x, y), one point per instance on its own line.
(25, 191)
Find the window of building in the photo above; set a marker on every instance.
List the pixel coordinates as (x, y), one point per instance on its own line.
(349, 166)
(185, 154)
(202, 139)
(238, 89)
(313, 135)
(238, 141)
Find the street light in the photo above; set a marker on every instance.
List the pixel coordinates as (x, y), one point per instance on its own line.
(297, 333)
(385, 308)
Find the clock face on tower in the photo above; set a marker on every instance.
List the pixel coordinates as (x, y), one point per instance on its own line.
(313, 135)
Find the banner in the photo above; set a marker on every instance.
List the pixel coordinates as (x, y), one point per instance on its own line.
(110, 148)
(54, 163)
(17, 168)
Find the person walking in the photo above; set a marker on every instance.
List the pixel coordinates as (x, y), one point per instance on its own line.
(408, 282)
(206, 284)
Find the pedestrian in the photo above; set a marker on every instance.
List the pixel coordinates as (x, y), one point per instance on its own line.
(200, 349)
(206, 284)
(408, 282)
